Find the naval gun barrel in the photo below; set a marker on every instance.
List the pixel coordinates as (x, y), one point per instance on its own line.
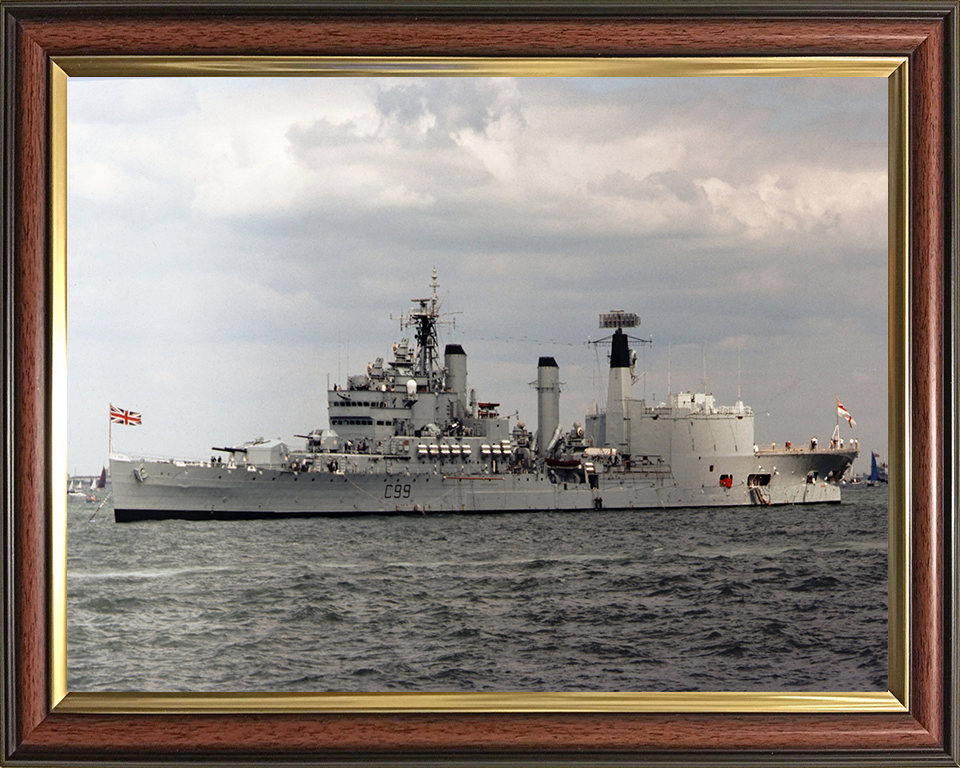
(229, 450)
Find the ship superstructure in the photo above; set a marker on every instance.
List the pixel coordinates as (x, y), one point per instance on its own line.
(408, 436)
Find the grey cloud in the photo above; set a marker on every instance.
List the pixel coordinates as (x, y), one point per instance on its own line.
(653, 187)
(453, 104)
(322, 133)
(529, 251)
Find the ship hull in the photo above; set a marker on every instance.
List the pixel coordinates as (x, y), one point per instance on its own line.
(148, 490)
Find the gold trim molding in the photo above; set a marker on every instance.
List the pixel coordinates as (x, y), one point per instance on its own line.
(298, 66)
(895, 700)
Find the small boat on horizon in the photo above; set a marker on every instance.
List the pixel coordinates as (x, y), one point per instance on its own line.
(878, 470)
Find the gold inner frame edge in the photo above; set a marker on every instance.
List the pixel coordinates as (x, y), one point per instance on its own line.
(892, 68)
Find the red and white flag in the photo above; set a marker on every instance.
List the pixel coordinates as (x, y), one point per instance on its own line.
(844, 413)
(120, 416)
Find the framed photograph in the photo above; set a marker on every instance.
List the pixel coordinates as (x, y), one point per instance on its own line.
(414, 66)
(463, 190)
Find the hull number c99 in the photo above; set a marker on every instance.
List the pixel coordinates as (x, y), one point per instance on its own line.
(397, 491)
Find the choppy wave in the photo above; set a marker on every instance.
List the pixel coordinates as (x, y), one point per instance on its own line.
(790, 598)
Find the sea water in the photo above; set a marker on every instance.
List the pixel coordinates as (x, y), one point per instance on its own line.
(787, 598)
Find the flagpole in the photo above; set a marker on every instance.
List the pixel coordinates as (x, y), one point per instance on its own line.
(835, 440)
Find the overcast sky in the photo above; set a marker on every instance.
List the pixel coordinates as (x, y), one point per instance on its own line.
(232, 243)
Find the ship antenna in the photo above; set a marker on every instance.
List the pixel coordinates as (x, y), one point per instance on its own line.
(739, 344)
(704, 357)
(644, 350)
(669, 367)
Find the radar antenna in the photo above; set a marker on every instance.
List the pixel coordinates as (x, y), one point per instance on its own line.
(618, 320)
(424, 318)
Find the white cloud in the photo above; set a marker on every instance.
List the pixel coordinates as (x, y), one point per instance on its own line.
(291, 217)
(773, 208)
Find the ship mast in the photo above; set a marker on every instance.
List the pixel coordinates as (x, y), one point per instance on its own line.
(617, 421)
(424, 319)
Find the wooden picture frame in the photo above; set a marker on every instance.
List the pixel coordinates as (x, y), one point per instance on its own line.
(38, 731)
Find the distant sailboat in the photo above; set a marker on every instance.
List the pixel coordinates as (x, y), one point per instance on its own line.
(74, 489)
(878, 472)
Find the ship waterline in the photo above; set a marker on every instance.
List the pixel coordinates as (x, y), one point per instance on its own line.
(409, 437)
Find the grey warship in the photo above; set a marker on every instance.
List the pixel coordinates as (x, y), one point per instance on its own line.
(409, 437)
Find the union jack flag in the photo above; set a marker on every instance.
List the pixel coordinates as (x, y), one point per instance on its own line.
(120, 416)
